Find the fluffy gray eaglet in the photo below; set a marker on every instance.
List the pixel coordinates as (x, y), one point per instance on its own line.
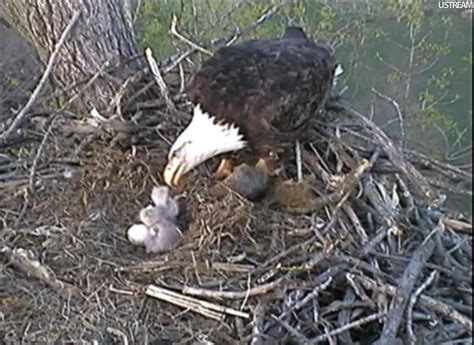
(259, 93)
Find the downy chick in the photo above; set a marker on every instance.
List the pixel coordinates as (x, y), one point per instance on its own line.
(159, 231)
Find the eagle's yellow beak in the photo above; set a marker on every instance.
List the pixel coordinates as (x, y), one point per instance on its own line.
(202, 139)
(174, 171)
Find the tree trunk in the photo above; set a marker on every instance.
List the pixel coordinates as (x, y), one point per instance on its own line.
(102, 37)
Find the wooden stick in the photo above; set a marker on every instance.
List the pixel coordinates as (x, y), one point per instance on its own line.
(458, 225)
(119, 334)
(397, 109)
(411, 305)
(419, 182)
(40, 151)
(299, 164)
(49, 67)
(424, 300)
(175, 32)
(21, 259)
(155, 71)
(230, 267)
(258, 290)
(213, 310)
(403, 292)
(344, 328)
(301, 338)
(308, 298)
(157, 292)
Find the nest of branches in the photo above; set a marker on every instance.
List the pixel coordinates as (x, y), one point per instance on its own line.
(371, 256)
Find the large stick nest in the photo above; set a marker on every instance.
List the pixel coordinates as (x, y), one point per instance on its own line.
(377, 257)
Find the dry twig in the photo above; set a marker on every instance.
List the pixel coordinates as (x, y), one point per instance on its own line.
(397, 109)
(49, 68)
(411, 305)
(418, 181)
(209, 309)
(403, 292)
(23, 260)
(118, 333)
(424, 300)
(255, 291)
(159, 79)
(351, 325)
(175, 32)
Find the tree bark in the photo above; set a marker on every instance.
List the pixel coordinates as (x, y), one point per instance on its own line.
(102, 38)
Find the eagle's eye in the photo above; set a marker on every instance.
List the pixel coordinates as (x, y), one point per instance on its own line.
(180, 151)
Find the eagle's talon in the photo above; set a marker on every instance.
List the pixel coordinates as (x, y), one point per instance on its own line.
(267, 167)
(225, 169)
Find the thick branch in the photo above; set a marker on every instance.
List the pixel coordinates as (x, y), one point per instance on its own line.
(418, 181)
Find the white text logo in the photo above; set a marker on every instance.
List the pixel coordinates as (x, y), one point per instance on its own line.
(462, 5)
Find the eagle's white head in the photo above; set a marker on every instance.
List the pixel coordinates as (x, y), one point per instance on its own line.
(204, 138)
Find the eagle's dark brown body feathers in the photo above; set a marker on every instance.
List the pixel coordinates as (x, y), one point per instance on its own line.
(259, 94)
(268, 88)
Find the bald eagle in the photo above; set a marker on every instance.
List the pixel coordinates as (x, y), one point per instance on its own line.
(259, 94)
